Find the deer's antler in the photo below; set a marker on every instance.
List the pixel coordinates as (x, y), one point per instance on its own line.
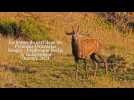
(77, 28)
(73, 28)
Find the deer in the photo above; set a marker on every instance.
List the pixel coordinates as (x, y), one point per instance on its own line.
(84, 47)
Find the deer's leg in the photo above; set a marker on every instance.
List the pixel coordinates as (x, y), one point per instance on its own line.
(76, 71)
(95, 63)
(86, 74)
(106, 66)
(105, 63)
(96, 69)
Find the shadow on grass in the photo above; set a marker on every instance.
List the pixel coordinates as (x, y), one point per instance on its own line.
(17, 69)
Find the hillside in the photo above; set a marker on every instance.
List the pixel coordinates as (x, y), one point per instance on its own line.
(59, 72)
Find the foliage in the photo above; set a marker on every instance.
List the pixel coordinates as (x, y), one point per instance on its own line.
(28, 26)
(8, 27)
(116, 62)
(120, 19)
(33, 29)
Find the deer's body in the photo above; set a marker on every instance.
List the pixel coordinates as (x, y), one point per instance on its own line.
(84, 47)
(88, 46)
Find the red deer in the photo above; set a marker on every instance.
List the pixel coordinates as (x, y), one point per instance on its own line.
(83, 47)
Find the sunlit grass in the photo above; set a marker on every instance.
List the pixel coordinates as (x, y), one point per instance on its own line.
(59, 72)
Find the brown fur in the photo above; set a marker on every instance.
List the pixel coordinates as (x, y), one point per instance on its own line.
(88, 46)
(84, 47)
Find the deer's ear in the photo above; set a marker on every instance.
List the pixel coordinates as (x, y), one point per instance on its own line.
(68, 33)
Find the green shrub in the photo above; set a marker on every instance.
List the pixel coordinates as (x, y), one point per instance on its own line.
(30, 27)
(34, 29)
(8, 27)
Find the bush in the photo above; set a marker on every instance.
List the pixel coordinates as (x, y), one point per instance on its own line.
(116, 62)
(119, 19)
(8, 27)
(26, 27)
(34, 29)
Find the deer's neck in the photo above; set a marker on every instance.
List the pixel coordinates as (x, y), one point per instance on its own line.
(74, 38)
(75, 47)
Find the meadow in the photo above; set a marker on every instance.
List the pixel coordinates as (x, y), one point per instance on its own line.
(59, 71)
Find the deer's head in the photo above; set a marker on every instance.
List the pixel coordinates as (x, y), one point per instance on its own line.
(74, 32)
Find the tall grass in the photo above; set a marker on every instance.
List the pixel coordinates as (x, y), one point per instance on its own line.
(34, 29)
(28, 26)
(60, 72)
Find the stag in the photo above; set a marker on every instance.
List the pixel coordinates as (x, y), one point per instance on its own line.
(84, 47)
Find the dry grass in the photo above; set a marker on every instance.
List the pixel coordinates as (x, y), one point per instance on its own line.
(59, 73)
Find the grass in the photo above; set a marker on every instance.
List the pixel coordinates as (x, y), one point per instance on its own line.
(59, 72)
(34, 29)
(28, 26)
